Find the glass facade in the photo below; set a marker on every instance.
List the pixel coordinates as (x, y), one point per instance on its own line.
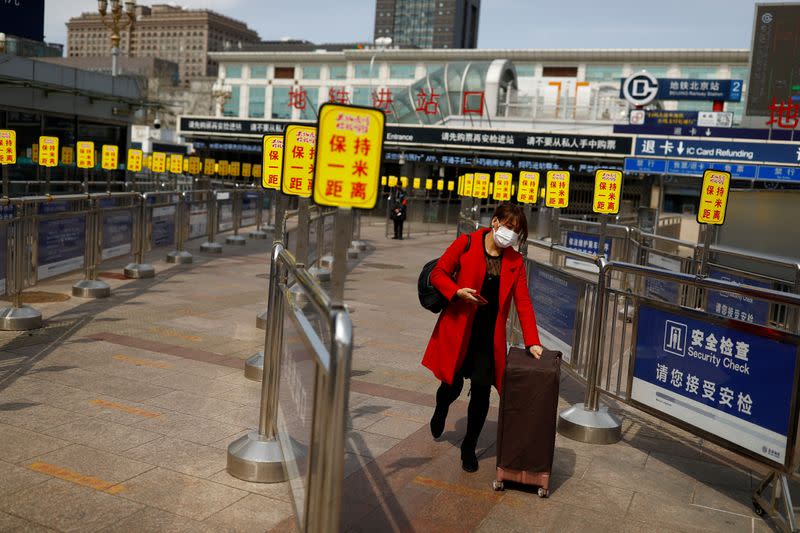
(402, 72)
(258, 72)
(255, 105)
(525, 70)
(601, 73)
(280, 102)
(362, 70)
(337, 72)
(413, 23)
(700, 72)
(312, 100)
(311, 72)
(233, 71)
(362, 96)
(659, 71)
(231, 108)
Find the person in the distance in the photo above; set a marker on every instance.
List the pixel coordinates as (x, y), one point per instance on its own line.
(469, 340)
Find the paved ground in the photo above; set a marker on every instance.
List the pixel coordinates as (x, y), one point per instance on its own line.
(116, 416)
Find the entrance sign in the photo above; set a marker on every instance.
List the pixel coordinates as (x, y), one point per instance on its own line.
(607, 191)
(714, 197)
(557, 194)
(528, 192)
(480, 185)
(349, 155)
(732, 381)
(272, 155)
(299, 147)
(134, 161)
(176, 163)
(48, 151)
(502, 186)
(8, 147)
(159, 162)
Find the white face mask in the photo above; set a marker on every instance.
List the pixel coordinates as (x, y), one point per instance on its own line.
(504, 237)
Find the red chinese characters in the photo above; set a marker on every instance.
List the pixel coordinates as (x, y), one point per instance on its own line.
(786, 115)
(427, 103)
(383, 100)
(298, 98)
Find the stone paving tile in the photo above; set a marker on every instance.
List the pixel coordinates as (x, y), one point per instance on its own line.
(667, 485)
(273, 491)
(194, 384)
(368, 444)
(724, 499)
(150, 519)
(31, 416)
(183, 456)
(704, 471)
(690, 518)
(180, 494)
(14, 524)
(14, 478)
(66, 506)
(252, 513)
(102, 434)
(190, 428)
(91, 462)
(193, 404)
(390, 426)
(19, 444)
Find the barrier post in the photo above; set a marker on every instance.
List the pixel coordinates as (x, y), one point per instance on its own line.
(19, 250)
(343, 230)
(210, 246)
(139, 269)
(257, 456)
(6, 182)
(90, 286)
(358, 245)
(303, 227)
(258, 233)
(587, 421)
(180, 255)
(317, 270)
(237, 198)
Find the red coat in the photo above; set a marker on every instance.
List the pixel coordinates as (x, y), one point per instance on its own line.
(448, 345)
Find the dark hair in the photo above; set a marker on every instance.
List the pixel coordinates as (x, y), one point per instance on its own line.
(514, 216)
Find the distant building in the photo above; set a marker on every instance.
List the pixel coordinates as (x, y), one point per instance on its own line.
(428, 23)
(145, 67)
(184, 36)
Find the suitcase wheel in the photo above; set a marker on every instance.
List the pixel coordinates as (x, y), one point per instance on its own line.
(543, 493)
(497, 485)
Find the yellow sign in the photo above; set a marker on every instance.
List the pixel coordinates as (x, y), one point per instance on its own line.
(8, 147)
(417, 182)
(272, 156)
(450, 186)
(607, 191)
(528, 187)
(222, 168)
(257, 171)
(185, 164)
(349, 157)
(159, 162)
(195, 165)
(247, 170)
(235, 169)
(428, 184)
(48, 151)
(134, 161)
(35, 153)
(392, 181)
(383, 180)
(502, 186)
(557, 189)
(440, 185)
(175, 163)
(714, 197)
(148, 161)
(467, 188)
(299, 147)
(67, 155)
(110, 157)
(209, 165)
(480, 185)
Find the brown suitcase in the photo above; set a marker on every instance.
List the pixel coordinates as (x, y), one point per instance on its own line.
(526, 431)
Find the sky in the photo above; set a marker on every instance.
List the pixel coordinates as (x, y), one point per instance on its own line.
(503, 23)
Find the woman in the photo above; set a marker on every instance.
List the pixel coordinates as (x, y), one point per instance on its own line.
(469, 340)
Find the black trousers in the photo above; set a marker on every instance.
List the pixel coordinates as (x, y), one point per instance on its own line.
(476, 412)
(398, 228)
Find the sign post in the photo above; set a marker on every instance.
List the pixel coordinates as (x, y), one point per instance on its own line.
(86, 161)
(299, 147)
(711, 211)
(271, 168)
(48, 157)
(8, 156)
(557, 197)
(349, 155)
(607, 196)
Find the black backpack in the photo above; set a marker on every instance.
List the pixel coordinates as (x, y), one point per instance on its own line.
(429, 296)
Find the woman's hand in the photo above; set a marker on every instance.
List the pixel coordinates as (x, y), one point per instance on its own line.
(536, 351)
(466, 293)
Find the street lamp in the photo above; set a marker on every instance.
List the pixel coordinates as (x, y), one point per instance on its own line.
(381, 43)
(221, 91)
(116, 23)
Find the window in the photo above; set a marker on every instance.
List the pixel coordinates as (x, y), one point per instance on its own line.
(255, 107)
(700, 72)
(657, 71)
(233, 71)
(231, 108)
(284, 73)
(402, 72)
(258, 72)
(311, 72)
(310, 112)
(603, 73)
(338, 72)
(560, 72)
(526, 70)
(280, 102)
(362, 96)
(362, 70)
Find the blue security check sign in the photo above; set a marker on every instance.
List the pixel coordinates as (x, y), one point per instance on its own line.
(732, 381)
(748, 152)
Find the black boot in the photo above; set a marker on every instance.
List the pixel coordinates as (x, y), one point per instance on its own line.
(437, 421)
(445, 395)
(469, 461)
(476, 417)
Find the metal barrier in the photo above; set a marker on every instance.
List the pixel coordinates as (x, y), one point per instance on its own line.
(305, 391)
(211, 246)
(426, 214)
